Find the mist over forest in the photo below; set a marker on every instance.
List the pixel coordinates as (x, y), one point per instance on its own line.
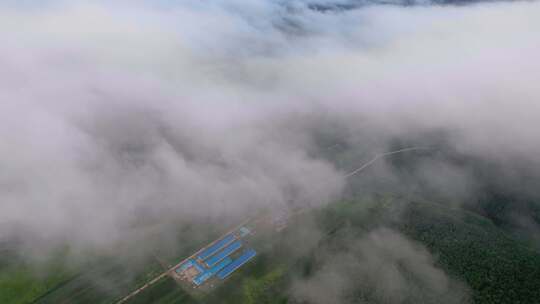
(130, 129)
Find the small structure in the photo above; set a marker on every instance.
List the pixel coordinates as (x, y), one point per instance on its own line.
(244, 231)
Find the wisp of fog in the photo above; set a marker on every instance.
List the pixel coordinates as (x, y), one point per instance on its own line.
(117, 113)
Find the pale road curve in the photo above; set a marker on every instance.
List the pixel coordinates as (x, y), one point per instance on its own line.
(380, 155)
(134, 293)
(355, 171)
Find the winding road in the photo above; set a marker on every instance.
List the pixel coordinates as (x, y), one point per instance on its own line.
(348, 175)
(381, 155)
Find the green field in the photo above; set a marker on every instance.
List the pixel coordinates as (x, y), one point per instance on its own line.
(103, 282)
(19, 282)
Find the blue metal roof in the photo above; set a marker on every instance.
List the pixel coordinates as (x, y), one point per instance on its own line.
(224, 253)
(241, 260)
(199, 267)
(202, 277)
(215, 247)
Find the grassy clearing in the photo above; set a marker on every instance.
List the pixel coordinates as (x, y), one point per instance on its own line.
(23, 280)
(21, 284)
(105, 282)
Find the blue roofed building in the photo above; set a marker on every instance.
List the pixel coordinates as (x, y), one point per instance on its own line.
(247, 255)
(216, 247)
(223, 253)
(203, 277)
(199, 267)
(220, 258)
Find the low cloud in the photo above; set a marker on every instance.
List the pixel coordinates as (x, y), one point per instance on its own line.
(381, 266)
(113, 114)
